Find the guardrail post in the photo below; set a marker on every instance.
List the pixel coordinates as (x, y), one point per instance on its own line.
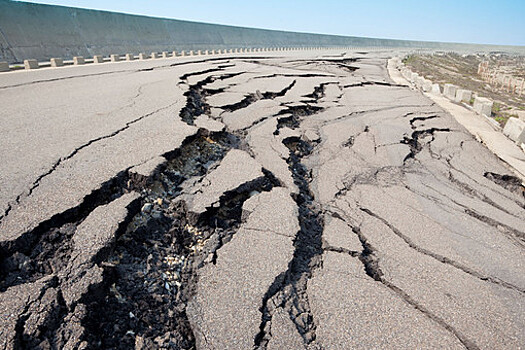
(57, 62)
(78, 60)
(30, 64)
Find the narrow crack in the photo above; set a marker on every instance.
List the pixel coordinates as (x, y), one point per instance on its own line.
(495, 223)
(440, 258)
(368, 83)
(371, 264)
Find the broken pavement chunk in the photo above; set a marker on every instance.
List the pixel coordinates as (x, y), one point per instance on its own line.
(236, 168)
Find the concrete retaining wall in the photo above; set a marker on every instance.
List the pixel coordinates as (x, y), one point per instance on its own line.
(34, 31)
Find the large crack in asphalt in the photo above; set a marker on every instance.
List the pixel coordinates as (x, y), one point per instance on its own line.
(288, 291)
(508, 182)
(62, 160)
(45, 249)
(196, 94)
(154, 265)
(152, 273)
(254, 97)
(417, 140)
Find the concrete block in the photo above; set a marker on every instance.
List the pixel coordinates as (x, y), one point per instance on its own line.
(463, 95)
(427, 85)
(130, 57)
(450, 91)
(419, 82)
(4, 66)
(521, 140)
(191, 53)
(143, 56)
(165, 54)
(78, 60)
(98, 59)
(114, 58)
(174, 53)
(436, 89)
(57, 62)
(483, 106)
(206, 52)
(30, 64)
(413, 76)
(199, 52)
(154, 55)
(183, 53)
(514, 128)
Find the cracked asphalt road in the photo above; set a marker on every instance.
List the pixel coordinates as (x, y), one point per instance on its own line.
(251, 202)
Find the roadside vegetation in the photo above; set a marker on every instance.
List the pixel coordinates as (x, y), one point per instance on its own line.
(462, 71)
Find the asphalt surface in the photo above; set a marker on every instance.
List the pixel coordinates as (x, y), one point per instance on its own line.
(298, 201)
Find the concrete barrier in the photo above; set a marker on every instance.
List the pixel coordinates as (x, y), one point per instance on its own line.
(78, 60)
(154, 55)
(130, 57)
(450, 91)
(183, 53)
(483, 106)
(71, 32)
(30, 64)
(114, 58)
(143, 56)
(165, 54)
(463, 95)
(98, 59)
(4, 66)
(57, 62)
(436, 89)
(174, 53)
(413, 76)
(199, 52)
(514, 128)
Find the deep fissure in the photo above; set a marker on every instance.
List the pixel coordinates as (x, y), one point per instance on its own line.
(288, 291)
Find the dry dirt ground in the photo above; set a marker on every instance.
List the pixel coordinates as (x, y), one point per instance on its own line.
(251, 202)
